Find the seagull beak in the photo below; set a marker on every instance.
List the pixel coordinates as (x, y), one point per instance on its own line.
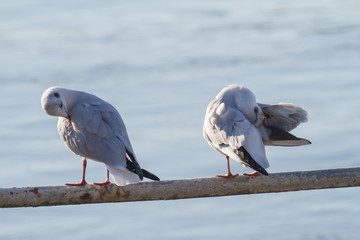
(68, 117)
(267, 116)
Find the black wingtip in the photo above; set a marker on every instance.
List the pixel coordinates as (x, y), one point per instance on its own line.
(250, 162)
(134, 168)
(279, 137)
(133, 165)
(260, 169)
(264, 172)
(150, 175)
(143, 173)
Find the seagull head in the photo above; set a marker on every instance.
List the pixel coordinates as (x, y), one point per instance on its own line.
(53, 102)
(244, 100)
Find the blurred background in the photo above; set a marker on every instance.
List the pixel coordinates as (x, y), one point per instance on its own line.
(160, 63)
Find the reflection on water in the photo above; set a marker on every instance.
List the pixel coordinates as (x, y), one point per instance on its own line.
(160, 64)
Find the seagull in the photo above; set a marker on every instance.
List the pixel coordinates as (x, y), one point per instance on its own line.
(93, 129)
(239, 127)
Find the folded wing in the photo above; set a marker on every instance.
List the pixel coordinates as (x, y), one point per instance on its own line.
(106, 137)
(228, 131)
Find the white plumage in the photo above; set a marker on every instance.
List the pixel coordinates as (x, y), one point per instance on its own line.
(93, 129)
(238, 127)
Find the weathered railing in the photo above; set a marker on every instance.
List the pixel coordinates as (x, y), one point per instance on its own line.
(179, 189)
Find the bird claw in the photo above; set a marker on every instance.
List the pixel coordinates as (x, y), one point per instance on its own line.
(254, 174)
(82, 183)
(229, 175)
(103, 183)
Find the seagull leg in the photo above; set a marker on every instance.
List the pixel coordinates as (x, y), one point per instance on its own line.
(229, 174)
(254, 174)
(83, 182)
(107, 181)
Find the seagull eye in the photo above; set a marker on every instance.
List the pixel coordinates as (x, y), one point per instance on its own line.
(256, 110)
(61, 104)
(56, 95)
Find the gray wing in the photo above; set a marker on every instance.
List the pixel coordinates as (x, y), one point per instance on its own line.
(227, 130)
(100, 134)
(279, 120)
(112, 118)
(285, 116)
(219, 126)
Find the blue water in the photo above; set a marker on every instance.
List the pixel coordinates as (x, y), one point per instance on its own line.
(160, 63)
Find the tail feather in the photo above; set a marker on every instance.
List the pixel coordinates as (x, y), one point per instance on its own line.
(123, 177)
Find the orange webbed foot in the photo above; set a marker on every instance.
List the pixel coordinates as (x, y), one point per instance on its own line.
(82, 183)
(229, 175)
(103, 183)
(254, 174)
(106, 182)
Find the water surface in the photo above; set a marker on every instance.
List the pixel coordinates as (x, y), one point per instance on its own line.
(160, 63)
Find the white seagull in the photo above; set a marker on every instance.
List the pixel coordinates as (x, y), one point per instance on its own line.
(238, 127)
(93, 129)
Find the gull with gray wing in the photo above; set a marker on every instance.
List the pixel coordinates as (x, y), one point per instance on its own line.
(239, 127)
(93, 129)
